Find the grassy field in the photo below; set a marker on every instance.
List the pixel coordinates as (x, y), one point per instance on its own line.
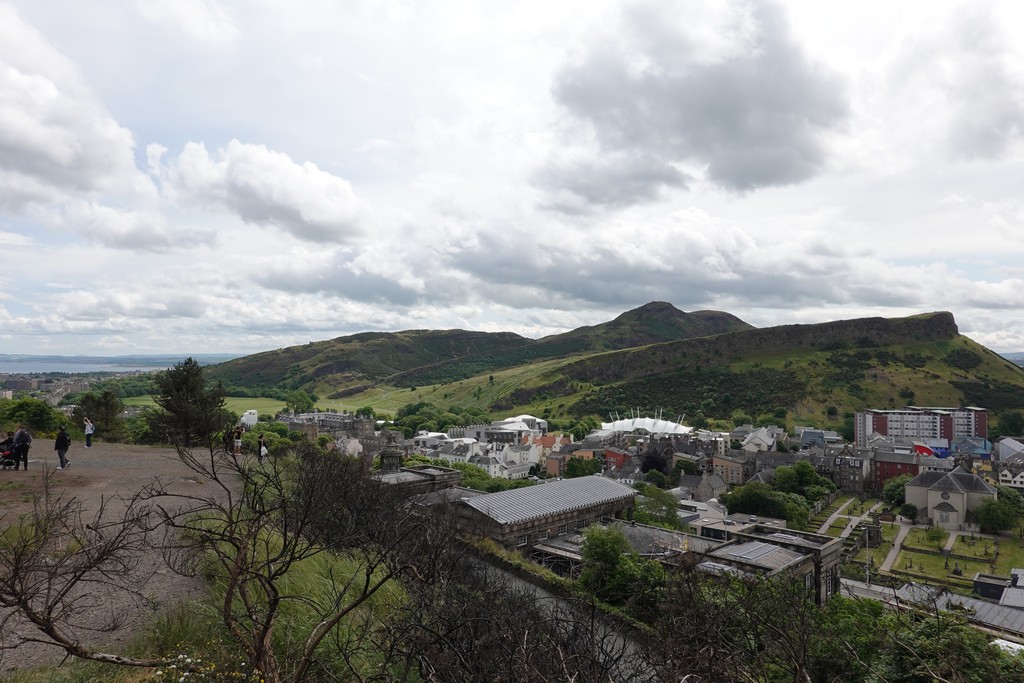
(236, 404)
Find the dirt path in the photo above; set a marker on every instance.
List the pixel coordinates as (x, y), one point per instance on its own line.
(102, 471)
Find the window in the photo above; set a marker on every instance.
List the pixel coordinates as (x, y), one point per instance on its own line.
(542, 536)
(562, 529)
(522, 540)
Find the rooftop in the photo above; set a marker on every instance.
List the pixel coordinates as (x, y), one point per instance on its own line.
(533, 502)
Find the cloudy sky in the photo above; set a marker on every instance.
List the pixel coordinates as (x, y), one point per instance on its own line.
(199, 176)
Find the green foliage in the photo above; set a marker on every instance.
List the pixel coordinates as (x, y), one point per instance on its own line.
(189, 412)
(299, 401)
(581, 467)
(1009, 424)
(749, 392)
(683, 466)
(894, 489)
(800, 478)
(909, 511)
(755, 498)
(657, 478)
(35, 414)
(614, 573)
(1011, 497)
(995, 515)
(126, 387)
(656, 507)
(473, 476)
(104, 409)
(414, 417)
(962, 359)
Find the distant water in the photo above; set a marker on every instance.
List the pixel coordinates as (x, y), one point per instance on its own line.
(35, 366)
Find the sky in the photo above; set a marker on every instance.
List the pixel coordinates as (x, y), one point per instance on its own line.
(200, 176)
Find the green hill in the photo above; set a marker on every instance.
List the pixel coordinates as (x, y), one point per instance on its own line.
(709, 366)
(416, 357)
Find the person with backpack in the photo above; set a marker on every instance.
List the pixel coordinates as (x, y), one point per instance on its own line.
(22, 444)
(61, 445)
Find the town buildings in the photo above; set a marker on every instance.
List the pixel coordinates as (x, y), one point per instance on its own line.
(919, 422)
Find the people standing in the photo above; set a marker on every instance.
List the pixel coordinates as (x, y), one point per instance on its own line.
(61, 445)
(22, 444)
(238, 440)
(90, 428)
(261, 448)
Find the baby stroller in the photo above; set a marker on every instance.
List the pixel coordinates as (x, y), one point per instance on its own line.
(6, 457)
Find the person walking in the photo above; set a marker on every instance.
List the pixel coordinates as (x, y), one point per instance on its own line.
(261, 448)
(238, 440)
(22, 445)
(61, 445)
(90, 428)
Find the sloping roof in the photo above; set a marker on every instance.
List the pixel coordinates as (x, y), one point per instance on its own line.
(927, 479)
(956, 481)
(1005, 618)
(944, 507)
(533, 502)
(689, 481)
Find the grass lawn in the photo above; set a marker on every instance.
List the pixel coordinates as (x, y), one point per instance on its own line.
(917, 539)
(934, 566)
(1011, 555)
(236, 404)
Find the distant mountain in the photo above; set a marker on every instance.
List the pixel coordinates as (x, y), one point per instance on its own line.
(706, 365)
(653, 323)
(416, 357)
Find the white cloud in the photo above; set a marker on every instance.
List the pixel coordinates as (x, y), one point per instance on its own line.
(268, 188)
(221, 179)
(205, 21)
(55, 138)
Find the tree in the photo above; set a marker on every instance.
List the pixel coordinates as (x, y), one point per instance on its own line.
(37, 415)
(104, 409)
(56, 561)
(1011, 497)
(580, 467)
(189, 413)
(657, 507)
(299, 401)
(1009, 424)
(657, 478)
(909, 510)
(258, 523)
(366, 411)
(894, 489)
(684, 466)
(995, 515)
(614, 573)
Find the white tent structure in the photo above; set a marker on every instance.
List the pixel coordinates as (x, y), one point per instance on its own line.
(649, 424)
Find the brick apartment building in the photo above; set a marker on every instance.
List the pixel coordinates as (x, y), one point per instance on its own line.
(923, 423)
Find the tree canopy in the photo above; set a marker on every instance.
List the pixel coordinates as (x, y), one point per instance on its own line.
(190, 413)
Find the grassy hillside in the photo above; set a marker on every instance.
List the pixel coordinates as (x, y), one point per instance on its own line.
(798, 374)
(339, 367)
(654, 358)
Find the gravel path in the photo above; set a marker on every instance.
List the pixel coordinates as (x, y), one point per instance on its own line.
(100, 472)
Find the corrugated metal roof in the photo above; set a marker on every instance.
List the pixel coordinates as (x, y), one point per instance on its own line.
(521, 505)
